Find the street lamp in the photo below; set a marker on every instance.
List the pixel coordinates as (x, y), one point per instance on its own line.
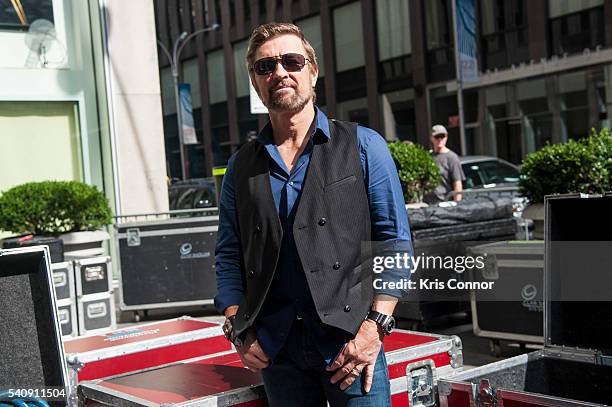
(174, 60)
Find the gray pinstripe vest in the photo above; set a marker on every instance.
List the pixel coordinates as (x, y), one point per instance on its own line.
(331, 222)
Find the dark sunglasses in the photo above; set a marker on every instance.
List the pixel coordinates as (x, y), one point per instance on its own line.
(291, 62)
(440, 136)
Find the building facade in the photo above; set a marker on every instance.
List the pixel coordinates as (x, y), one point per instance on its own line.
(545, 71)
(80, 99)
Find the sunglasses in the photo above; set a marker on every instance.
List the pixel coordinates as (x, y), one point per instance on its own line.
(439, 136)
(291, 62)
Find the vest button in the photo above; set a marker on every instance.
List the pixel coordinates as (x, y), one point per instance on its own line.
(347, 308)
(258, 228)
(251, 273)
(246, 317)
(322, 221)
(336, 266)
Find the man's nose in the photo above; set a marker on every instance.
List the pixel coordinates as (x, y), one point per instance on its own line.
(279, 70)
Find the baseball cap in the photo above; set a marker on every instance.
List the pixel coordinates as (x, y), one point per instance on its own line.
(438, 129)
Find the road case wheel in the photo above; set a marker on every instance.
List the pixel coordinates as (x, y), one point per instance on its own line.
(495, 347)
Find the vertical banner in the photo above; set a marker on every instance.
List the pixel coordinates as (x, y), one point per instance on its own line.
(466, 40)
(189, 133)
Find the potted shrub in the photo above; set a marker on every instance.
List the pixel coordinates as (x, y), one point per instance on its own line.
(74, 211)
(578, 166)
(417, 170)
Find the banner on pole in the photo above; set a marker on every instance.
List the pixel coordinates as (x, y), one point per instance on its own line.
(188, 127)
(466, 40)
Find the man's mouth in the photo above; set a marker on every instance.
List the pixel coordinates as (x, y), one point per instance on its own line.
(282, 86)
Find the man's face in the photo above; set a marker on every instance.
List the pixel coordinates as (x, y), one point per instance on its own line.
(439, 140)
(283, 91)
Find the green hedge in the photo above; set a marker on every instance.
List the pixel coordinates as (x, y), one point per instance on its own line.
(583, 166)
(417, 170)
(53, 207)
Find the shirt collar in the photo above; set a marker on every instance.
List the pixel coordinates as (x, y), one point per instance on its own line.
(321, 129)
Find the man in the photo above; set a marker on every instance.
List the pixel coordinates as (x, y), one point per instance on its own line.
(450, 167)
(296, 205)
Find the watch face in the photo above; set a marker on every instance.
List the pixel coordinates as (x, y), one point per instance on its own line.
(238, 342)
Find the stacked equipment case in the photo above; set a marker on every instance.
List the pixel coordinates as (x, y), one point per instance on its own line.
(517, 270)
(94, 295)
(142, 346)
(166, 260)
(220, 378)
(63, 280)
(575, 366)
(85, 296)
(31, 352)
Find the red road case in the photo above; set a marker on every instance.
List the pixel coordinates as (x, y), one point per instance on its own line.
(222, 380)
(575, 366)
(142, 346)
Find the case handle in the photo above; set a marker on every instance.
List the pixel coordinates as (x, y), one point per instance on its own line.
(96, 310)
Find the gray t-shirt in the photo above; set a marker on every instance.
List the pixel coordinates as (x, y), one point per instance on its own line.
(451, 171)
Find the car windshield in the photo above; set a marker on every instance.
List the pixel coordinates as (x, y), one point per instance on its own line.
(482, 173)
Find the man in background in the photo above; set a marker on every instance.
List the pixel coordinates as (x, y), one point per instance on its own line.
(450, 167)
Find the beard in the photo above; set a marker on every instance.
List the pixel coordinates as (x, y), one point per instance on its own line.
(292, 103)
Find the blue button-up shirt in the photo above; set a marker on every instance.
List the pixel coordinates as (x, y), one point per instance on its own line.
(289, 295)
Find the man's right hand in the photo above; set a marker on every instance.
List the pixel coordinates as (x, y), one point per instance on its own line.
(251, 353)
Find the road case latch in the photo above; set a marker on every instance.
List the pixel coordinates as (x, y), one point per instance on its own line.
(486, 395)
(133, 237)
(456, 353)
(604, 360)
(421, 382)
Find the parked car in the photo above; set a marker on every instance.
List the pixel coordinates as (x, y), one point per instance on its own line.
(197, 193)
(488, 172)
(492, 177)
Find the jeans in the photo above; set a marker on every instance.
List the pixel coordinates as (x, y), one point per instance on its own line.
(298, 378)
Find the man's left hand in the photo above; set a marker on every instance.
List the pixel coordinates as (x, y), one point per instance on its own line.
(358, 356)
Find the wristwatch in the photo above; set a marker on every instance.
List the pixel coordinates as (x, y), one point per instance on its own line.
(386, 322)
(228, 331)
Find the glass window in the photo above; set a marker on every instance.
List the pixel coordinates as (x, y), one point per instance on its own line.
(355, 110)
(399, 115)
(557, 8)
(167, 91)
(348, 37)
(216, 77)
(501, 134)
(18, 15)
(536, 120)
(604, 96)
(393, 26)
(37, 132)
(242, 76)
(501, 15)
(191, 76)
(532, 96)
(312, 31)
(438, 23)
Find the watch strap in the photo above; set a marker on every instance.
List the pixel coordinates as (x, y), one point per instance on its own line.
(381, 319)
